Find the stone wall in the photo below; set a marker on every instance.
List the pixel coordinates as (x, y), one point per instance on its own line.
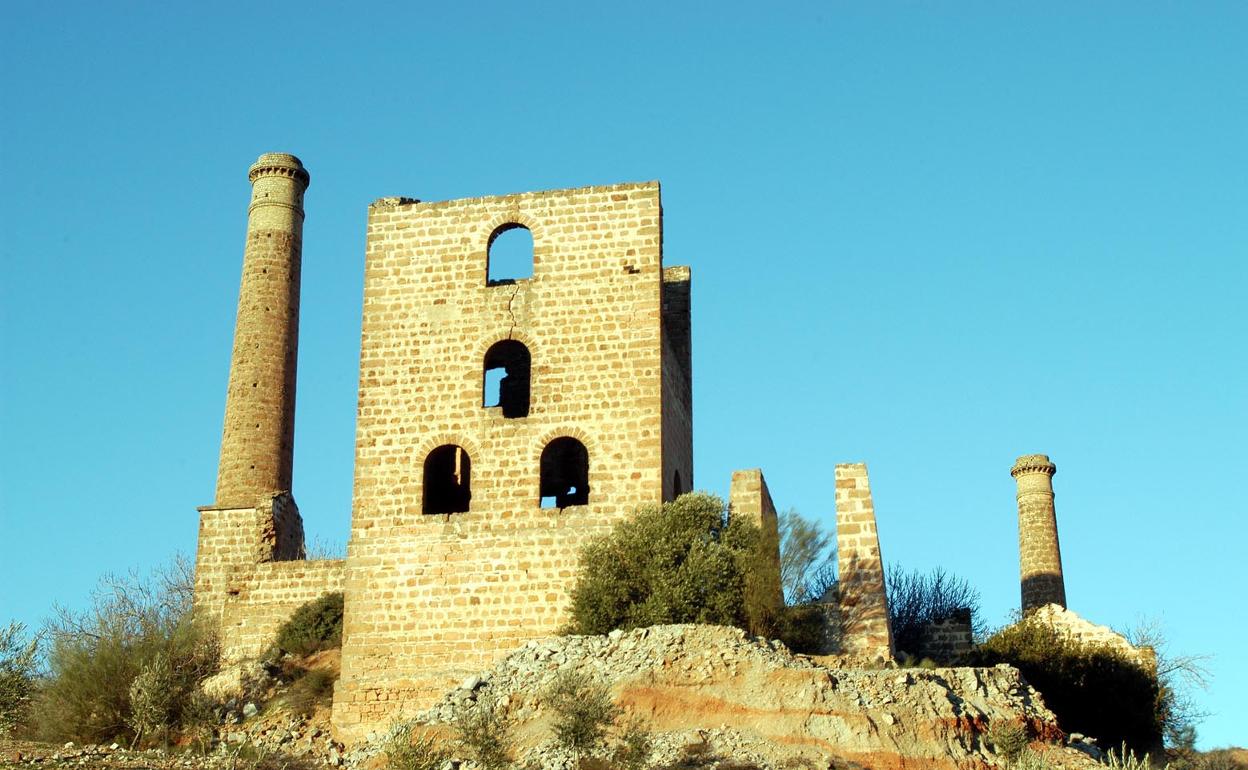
(749, 496)
(234, 540)
(266, 596)
(863, 602)
(1084, 631)
(432, 596)
(948, 639)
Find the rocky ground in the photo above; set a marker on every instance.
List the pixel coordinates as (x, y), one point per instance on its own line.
(753, 703)
(710, 697)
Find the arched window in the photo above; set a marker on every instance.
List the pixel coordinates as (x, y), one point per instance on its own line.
(565, 473)
(506, 383)
(448, 480)
(509, 255)
(676, 489)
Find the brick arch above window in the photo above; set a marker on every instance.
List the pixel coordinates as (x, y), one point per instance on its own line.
(501, 224)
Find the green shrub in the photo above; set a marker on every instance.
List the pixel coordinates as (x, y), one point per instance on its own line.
(683, 562)
(484, 730)
(313, 627)
(17, 675)
(151, 698)
(1218, 759)
(1124, 759)
(807, 558)
(917, 599)
(635, 743)
(1092, 689)
(804, 628)
(313, 688)
(584, 713)
(1029, 760)
(405, 751)
(198, 721)
(95, 657)
(1008, 740)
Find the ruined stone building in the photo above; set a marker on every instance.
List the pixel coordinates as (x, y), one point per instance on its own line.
(503, 422)
(470, 507)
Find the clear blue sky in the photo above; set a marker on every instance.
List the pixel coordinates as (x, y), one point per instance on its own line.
(930, 237)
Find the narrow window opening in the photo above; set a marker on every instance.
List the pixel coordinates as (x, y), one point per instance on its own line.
(565, 473)
(676, 488)
(507, 368)
(510, 255)
(447, 480)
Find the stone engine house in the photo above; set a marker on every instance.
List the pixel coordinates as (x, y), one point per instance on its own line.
(469, 510)
(502, 423)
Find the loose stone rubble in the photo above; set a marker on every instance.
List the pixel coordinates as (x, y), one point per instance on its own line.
(710, 696)
(716, 692)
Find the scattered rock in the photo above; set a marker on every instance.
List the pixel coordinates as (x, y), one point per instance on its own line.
(772, 708)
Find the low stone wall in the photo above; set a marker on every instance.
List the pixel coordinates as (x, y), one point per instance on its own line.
(1087, 632)
(948, 639)
(266, 596)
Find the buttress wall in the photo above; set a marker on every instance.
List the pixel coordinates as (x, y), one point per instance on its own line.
(434, 596)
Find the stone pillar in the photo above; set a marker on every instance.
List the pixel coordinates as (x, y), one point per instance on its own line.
(749, 497)
(257, 444)
(1040, 557)
(865, 628)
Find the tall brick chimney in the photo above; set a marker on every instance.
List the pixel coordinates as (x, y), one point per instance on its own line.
(257, 444)
(1040, 557)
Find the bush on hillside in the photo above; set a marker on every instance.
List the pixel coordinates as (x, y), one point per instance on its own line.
(804, 629)
(314, 688)
(134, 625)
(917, 599)
(584, 713)
(17, 675)
(807, 559)
(405, 750)
(682, 562)
(1091, 688)
(315, 626)
(485, 730)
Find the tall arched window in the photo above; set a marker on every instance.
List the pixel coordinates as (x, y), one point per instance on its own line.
(509, 255)
(447, 480)
(506, 378)
(565, 473)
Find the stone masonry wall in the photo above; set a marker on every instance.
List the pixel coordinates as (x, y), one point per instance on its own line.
(233, 541)
(1085, 631)
(947, 639)
(749, 496)
(265, 598)
(431, 597)
(863, 602)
